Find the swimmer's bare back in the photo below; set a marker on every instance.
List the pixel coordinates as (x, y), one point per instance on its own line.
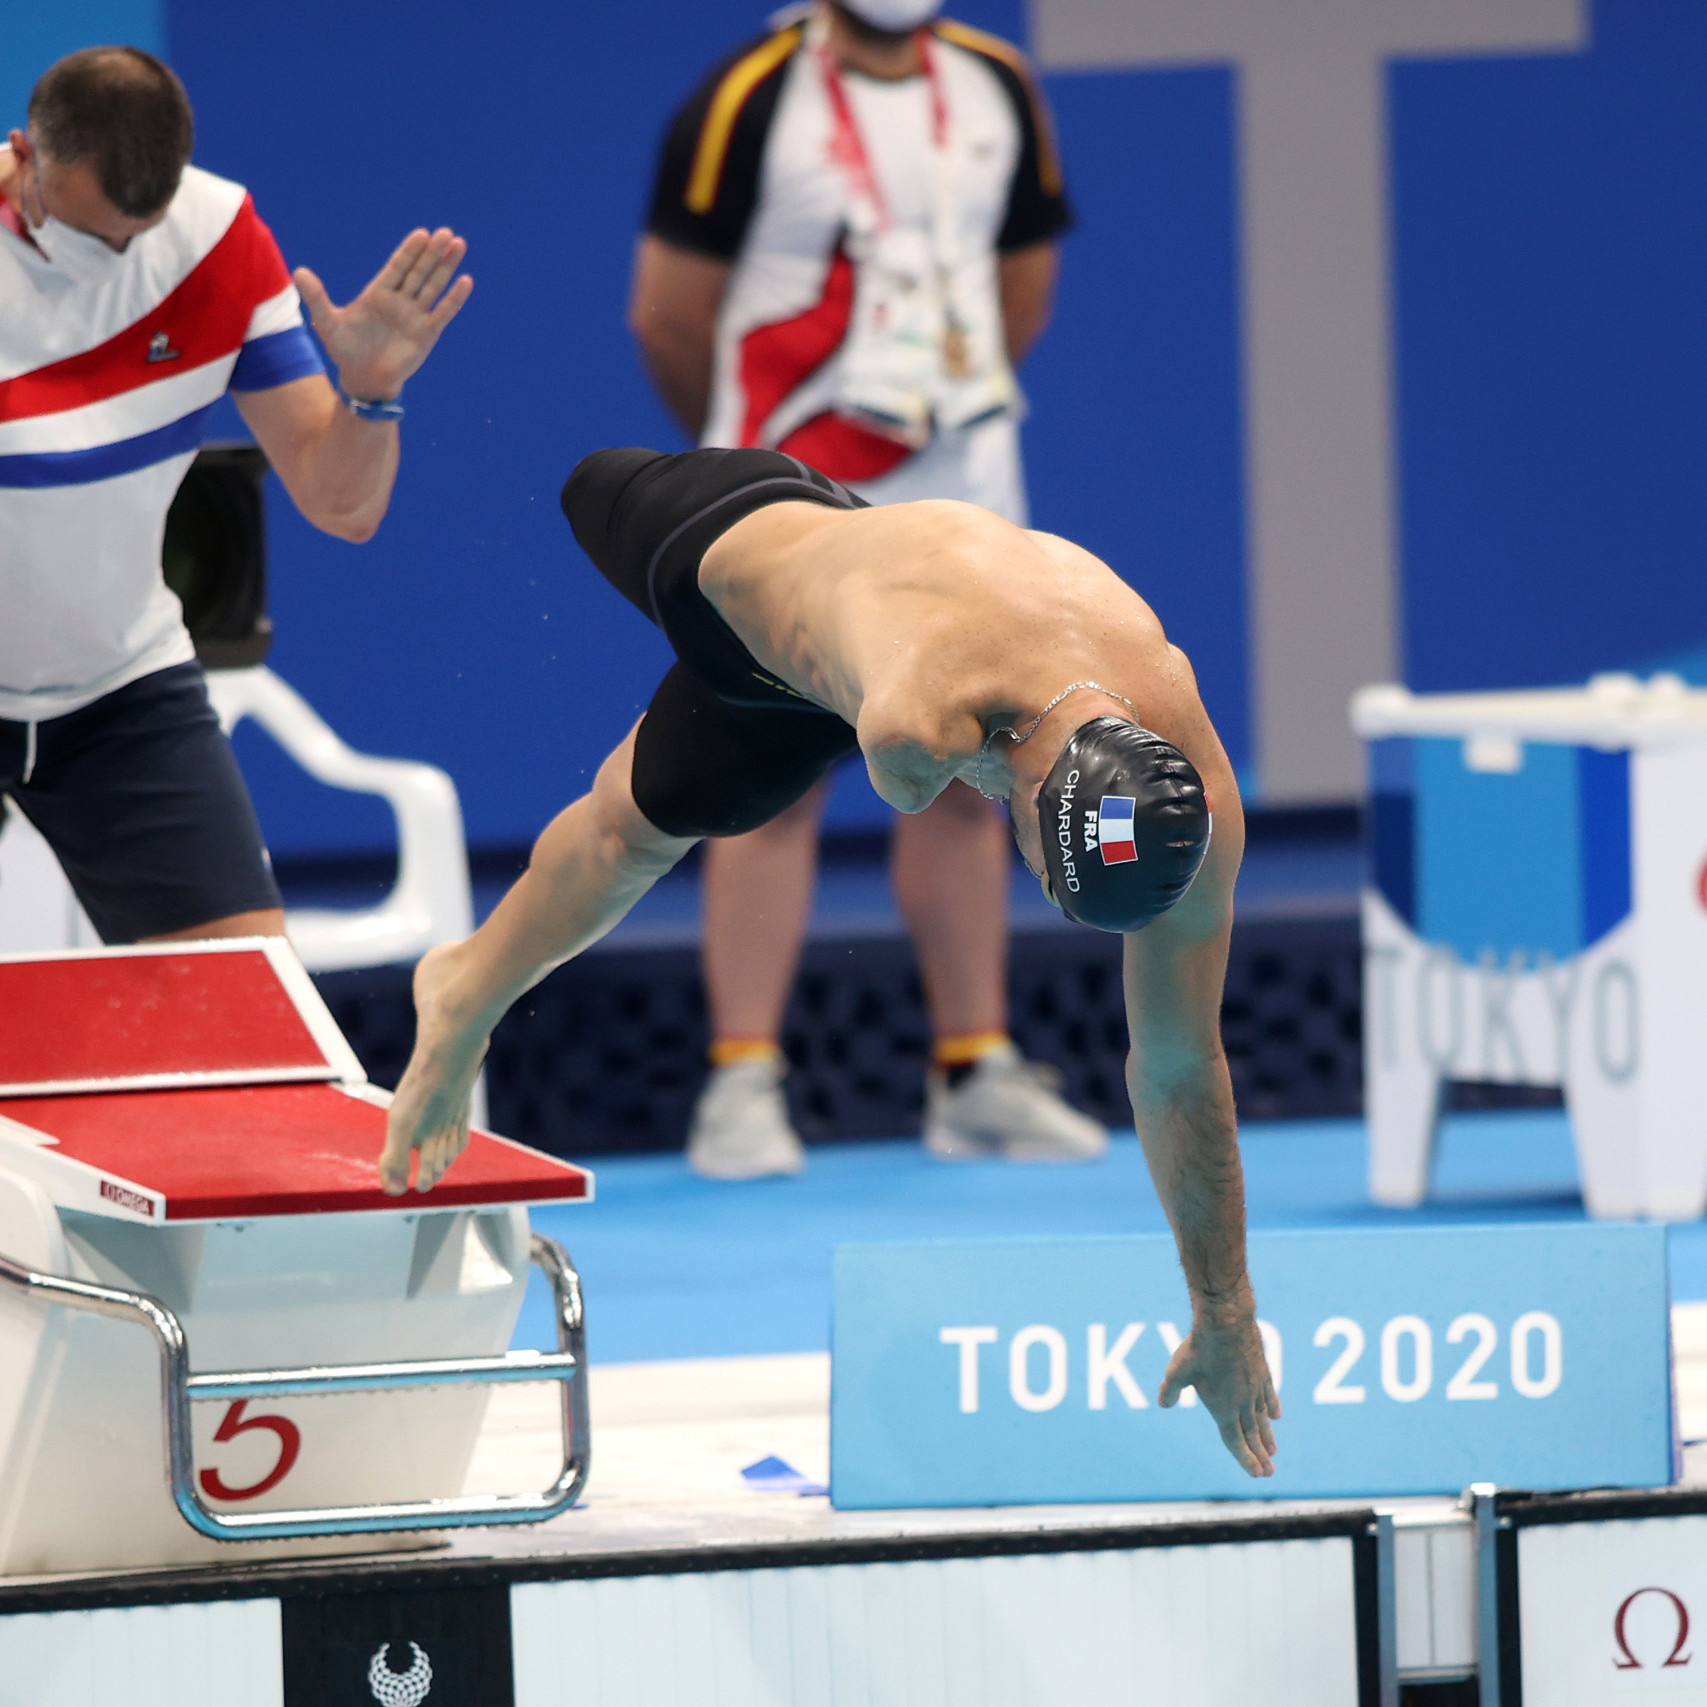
(924, 624)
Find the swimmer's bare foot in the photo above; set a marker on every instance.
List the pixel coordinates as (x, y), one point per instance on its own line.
(430, 1111)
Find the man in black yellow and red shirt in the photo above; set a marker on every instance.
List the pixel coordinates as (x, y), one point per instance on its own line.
(852, 240)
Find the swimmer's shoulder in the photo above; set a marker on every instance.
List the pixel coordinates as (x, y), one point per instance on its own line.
(1065, 552)
(1100, 581)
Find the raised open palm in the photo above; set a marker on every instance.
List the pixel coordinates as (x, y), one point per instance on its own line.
(380, 338)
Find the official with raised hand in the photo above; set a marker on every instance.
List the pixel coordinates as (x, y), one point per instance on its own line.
(135, 290)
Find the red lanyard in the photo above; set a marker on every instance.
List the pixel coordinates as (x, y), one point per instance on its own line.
(847, 146)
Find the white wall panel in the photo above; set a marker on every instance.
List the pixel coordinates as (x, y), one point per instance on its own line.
(1572, 1581)
(1434, 1578)
(1151, 1627)
(223, 1653)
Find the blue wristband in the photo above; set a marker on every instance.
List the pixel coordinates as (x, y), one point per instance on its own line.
(373, 411)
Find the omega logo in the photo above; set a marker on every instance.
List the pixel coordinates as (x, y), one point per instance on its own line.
(1628, 1661)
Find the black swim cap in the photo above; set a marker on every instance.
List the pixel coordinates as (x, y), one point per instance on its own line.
(1125, 825)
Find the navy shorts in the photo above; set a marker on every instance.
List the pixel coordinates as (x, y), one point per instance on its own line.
(140, 796)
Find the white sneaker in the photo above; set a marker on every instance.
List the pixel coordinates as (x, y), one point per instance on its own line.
(741, 1128)
(1010, 1109)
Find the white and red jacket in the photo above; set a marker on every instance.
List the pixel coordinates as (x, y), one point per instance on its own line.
(752, 172)
(103, 392)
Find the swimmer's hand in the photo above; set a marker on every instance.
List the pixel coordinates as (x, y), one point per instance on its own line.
(429, 1114)
(379, 339)
(1225, 1363)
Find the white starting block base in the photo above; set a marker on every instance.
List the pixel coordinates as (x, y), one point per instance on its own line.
(214, 1325)
(80, 1394)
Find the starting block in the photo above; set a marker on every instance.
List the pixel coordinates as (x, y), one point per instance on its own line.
(191, 1224)
(1538, 916)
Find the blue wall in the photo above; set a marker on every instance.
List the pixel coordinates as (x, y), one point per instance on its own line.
(1551, 242)
(471, 632)
(1551, 289)
(33, 36)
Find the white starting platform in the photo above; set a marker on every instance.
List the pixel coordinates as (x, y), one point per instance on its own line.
(1538, 916)
(215, 1330)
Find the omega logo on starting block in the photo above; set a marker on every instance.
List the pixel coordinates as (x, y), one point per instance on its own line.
(1647, 1617)
(1409, 1361)
(138, 1202)
(1612, 1607)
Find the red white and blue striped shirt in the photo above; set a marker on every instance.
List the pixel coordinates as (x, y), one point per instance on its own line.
(104, 389)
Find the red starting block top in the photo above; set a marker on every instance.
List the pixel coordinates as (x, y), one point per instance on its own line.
(166, 1083)
(238, 1153)
(194, 1013)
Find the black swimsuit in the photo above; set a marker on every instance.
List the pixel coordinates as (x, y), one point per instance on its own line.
(724, 746)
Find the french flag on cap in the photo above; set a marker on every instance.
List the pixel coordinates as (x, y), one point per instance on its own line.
(1114, 829)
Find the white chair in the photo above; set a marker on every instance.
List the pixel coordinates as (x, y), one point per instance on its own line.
(430, 903)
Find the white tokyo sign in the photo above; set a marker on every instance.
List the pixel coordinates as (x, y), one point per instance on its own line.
(1615, 1023)
(1042, 1371)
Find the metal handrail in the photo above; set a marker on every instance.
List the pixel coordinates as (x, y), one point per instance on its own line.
(567, 1366)
(513, 1367)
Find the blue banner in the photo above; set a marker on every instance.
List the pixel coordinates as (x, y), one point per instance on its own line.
(1410, 1361)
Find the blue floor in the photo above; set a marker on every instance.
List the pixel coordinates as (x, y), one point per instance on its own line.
(676, 1266)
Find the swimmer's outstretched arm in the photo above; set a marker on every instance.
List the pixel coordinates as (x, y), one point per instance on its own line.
(593, 862)
(1182, 1098)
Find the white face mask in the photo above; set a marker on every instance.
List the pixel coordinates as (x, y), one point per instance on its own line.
(80, 256)
(895, 15)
